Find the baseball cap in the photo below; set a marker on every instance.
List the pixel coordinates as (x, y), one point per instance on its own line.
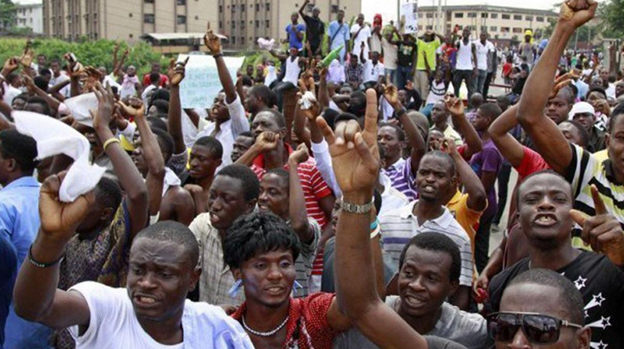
(581, 108)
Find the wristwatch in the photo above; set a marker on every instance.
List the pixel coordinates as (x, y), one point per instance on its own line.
(358, 209)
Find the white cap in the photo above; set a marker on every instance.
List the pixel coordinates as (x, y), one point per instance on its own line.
(581, 108)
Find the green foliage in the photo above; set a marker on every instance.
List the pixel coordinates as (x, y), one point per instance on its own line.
(8, 13)
(93, 53)
(612, 14)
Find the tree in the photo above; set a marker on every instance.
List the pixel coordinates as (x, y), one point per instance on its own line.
(612, 14)
(8, 13)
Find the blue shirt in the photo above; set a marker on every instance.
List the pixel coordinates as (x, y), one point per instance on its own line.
(340, 33)
(8, 271)
(19, 214)
(19, 223)
(293, 40)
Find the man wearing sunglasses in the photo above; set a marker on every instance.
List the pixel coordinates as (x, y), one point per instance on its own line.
(540, 308)
(544, 203)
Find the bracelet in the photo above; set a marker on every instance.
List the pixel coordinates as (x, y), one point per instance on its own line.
(109, 142)
(358, 209)
(400, 112)
(375, 229)
(215, 56)
(39, 264)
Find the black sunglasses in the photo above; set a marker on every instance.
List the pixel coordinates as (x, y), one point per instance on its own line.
(538, 328)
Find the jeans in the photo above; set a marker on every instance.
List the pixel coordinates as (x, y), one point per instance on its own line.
(482, 242)
(486, 86)
(393, 75)
(480, 81)
(463, 75)
(421, 82)
(503, 183)
(403, 75)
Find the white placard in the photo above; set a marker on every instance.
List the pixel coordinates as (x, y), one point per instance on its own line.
(201, 81)
(409, 16)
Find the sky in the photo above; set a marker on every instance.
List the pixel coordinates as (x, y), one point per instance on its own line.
(388, 10)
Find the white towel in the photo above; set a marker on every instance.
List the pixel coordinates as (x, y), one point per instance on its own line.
(171, 180)
(54, 137)
(80, 106)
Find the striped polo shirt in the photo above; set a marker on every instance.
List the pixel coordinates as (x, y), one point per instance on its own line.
(399, 226)
(584, 170)
(401, 177)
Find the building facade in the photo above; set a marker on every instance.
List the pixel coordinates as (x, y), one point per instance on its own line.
(30, 15)
(244, 21)
(125, 19)
(501, 23)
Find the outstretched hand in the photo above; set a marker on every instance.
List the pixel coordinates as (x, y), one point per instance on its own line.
(354, 152)
(561, 82)
(454, 105)
(602, 232)
(391, 93)
(59, 220)
(106, 104)
(134, 108)
(176, 71)
(212, 41)
(577, 12)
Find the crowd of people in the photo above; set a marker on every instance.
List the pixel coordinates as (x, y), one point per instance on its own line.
(343, 200)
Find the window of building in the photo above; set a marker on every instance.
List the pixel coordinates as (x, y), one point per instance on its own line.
(233, 8)
(420, 27)
(505, 29)
(148, 18)
(484, 15)
(196, 17)
(233, 24)
(518, 17)
(483, 28)
(242, 25)
(429, 27)
(517, 30)
(149, 1)
(506, 16)
(529, 18)
(220, 8)
(181, 20)
(257, 7)
(130, 36)
(181, 2)
(334, 8)
(242, 8)
(472, 15)
(242, 40)
(220, 25)
(268, 24)
(233, 40)
(268, 6)
(494, 15)
(459, 15)
(429, 15)
(539, 18)
(257, 23)
(493, 29)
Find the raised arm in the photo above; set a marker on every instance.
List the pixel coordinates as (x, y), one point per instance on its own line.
(509, 147)
(35, 294)
(477, 197)
(176, 75)
(213, 43)
(297, 208)
(547, 138)
(154, 159)
(414, 136)
(356, 160)
(34, 89)
(305, 3)
(299, 121)
(463, 126)
(129, 177)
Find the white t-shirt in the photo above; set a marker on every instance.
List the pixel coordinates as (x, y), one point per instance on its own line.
(464, 56)
(482, 53)
(362, 37)
(65, 91)
(373, 71)
(113, 323)
(437, 92)
(391, 53)
(292, 70)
